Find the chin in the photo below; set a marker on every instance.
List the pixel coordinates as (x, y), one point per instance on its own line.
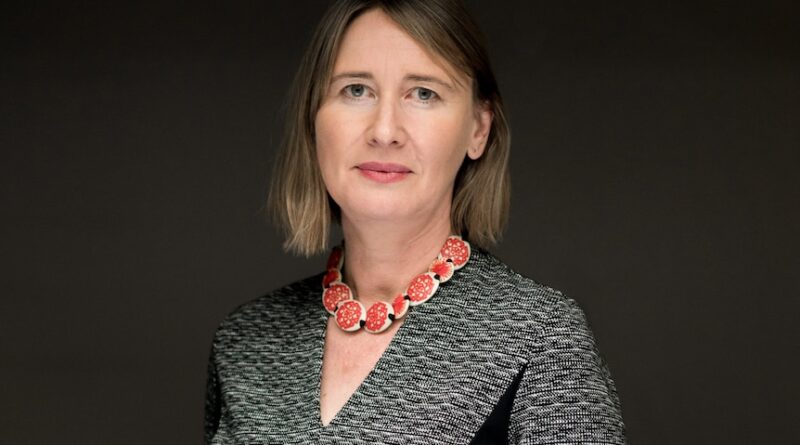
(380, 208)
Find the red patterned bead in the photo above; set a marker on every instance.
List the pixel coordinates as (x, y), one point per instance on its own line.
(400, 306)
(350, 315)
(379, 317)
(443, 268)
(456, 250)
(336, 258)
(335, 293)
(421, 288)
(332, 276)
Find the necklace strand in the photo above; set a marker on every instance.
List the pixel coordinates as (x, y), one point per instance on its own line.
(351, 315)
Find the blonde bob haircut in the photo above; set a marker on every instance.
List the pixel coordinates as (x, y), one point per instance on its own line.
(298, 200)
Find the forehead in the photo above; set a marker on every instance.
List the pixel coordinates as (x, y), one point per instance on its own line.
(374, 42)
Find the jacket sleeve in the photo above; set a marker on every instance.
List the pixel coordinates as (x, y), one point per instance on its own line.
(566, 395)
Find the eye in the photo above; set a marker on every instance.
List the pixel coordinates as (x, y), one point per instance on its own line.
(424, 94)
(356, 90)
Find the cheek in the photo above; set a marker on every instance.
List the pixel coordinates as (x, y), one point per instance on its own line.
(335, 135)
(326, 156)
(446, 142)
(327, 141)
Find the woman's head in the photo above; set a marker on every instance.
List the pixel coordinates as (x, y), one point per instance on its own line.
(393, 85)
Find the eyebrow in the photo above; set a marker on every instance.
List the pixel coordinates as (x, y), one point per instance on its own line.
(411, 77)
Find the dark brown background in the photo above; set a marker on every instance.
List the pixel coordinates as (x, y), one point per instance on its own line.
(655, 158)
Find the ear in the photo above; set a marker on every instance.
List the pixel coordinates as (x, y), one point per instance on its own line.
(480, 133)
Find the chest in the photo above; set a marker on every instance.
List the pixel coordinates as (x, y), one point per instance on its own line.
(347, 360)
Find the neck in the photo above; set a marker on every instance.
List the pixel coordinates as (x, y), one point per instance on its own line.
(382, 258)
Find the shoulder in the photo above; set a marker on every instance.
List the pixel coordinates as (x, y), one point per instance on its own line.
(489, 305)
(522, 303)
(292, 307)
(565, 375)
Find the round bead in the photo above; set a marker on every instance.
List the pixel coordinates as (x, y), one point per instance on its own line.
(335, 293)
(422, 288)
(379, 317)
(336, 258)
(457, 250)
(443, 268)
(400, 306)
(350, 315)
(331, 276)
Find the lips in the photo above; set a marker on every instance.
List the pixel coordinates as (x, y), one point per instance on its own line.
(383, 167)
(383, 172)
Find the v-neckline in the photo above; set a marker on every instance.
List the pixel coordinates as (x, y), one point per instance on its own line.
(368, 380)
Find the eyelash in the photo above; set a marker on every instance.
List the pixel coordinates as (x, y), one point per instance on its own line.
(346, 91)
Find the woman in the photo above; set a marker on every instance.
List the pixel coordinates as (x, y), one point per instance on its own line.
(414, 334)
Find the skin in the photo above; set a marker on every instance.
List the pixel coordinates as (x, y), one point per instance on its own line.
(390, 101)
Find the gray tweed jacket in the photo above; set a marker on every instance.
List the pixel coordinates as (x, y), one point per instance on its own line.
(488, 333)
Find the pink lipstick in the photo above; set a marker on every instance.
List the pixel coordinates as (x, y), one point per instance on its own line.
(383, 172)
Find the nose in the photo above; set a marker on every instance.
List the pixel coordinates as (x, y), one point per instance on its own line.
(387, 128)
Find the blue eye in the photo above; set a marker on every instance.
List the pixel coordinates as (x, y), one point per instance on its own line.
(355, 90)
(425, 94)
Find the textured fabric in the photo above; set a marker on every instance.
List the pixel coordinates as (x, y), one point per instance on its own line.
(439, 379)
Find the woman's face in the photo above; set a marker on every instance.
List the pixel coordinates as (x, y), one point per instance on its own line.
(395, 125)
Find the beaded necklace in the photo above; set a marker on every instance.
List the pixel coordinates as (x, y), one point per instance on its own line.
(351, 315)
